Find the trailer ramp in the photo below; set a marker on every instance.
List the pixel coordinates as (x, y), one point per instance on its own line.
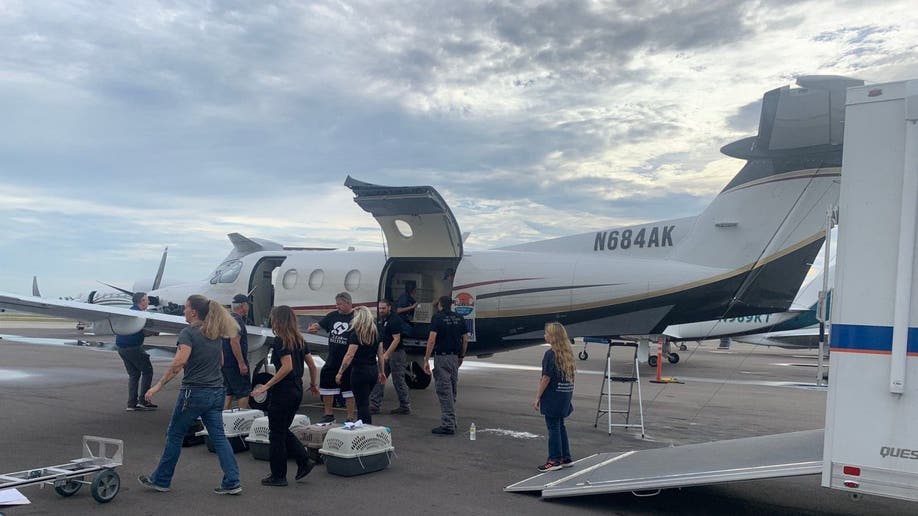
(751, 458)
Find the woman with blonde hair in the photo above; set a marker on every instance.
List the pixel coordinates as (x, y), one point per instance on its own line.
(363, 361)
(288, 353)
(200, 356)
(556, 390)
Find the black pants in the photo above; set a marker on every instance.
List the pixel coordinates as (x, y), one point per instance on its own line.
(363, 378)
(140, 373)
(283, 406)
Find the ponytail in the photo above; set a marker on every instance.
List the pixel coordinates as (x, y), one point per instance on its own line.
(215, 321)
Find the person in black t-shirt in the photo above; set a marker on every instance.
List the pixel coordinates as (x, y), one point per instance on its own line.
(288, 353)
(337, 324)
(448, 341)
(395, 359)
(364, 351)
(404, 308)
(556, 390)
(236, 381)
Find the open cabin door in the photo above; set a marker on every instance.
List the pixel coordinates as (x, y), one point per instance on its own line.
(423, 240)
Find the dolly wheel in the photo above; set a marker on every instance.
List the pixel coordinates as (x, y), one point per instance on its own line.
(652, 361)
(105, 486)
(583, 355)
(68, 487)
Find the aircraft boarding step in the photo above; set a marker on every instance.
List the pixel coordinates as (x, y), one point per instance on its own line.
(632, 378)
(751, 458)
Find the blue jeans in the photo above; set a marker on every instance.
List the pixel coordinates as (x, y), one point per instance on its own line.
(558, 448)
(194, 402)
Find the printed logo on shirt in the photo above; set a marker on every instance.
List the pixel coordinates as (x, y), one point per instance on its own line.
(340, 328)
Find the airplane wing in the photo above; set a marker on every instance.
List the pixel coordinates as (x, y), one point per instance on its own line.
(124, 321)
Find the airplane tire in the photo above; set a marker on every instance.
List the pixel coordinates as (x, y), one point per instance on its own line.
(583, 355)
(652, 361)
(417, 378)
(673, 358)
(683, 347)
(260, 379)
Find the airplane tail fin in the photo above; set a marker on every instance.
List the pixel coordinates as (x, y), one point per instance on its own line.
(767, 225)
(35, 291)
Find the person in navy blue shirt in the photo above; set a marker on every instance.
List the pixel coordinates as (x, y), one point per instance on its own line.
(556, 390)
(136, 360)
(404, 308)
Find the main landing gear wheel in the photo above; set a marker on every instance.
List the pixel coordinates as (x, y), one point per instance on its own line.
(68, 487)
(583, 355)
(652, 361)
(416, 377)
(105, 486)
(673, 358)
(260, 403)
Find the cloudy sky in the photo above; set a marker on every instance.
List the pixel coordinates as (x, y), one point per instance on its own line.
(130, 126)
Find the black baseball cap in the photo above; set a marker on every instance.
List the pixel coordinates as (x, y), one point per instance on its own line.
(240, 298)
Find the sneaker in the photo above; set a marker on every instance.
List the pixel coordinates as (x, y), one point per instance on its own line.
(148, 482)
(130, 409)
(303, 469)
(374, 410)
(567, 463)
(230, 490)
(149, 406)
(442, 430)
(327, 419)
(140, 407)
(274, 481)
(400, 410)
(550, 466)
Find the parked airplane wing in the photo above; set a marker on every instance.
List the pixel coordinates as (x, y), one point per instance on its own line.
(802, 338)
(122, 321)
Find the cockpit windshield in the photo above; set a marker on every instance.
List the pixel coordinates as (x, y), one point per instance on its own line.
(226, 272)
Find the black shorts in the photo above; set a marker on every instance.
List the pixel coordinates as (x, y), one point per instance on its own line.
(327, 385)
(236, 384)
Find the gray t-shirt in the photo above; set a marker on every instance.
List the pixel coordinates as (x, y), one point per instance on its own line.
(203, 367)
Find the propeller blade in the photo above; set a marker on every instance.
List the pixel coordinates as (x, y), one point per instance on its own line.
(159, 273)
(119, 289)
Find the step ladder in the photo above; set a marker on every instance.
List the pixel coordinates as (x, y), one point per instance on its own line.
(627, 381)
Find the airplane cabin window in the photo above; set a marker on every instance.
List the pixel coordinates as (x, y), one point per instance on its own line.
(316, 279)
(352, 280)
(289, 280)
(404, 228)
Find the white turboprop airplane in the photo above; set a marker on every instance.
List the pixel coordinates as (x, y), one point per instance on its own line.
(747, 253)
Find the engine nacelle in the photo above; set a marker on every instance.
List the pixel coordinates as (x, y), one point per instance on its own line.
(123, 325)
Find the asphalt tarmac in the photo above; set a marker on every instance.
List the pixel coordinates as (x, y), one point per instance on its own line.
(51, 394)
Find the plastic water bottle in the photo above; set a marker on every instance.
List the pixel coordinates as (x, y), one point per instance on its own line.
(472, 432)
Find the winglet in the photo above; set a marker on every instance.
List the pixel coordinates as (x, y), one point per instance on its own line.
(35, 291)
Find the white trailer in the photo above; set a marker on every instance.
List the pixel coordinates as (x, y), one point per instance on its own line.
(871, 432)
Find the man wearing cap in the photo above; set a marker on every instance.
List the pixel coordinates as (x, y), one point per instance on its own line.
(236, 381)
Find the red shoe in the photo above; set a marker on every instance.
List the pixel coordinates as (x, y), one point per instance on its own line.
(550, 466)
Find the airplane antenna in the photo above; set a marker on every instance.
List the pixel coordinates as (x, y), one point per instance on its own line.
(159, 273)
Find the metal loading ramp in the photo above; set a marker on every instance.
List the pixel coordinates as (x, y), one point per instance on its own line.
(751, 458)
